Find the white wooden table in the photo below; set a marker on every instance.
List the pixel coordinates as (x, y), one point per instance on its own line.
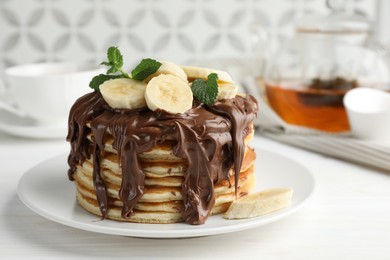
(348, 218)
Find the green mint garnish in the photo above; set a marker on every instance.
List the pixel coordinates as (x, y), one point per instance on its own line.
(206, 91)
(99, 79)
(115, 61)
(146, 68)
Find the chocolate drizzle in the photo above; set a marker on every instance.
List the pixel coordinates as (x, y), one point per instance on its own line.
(210, 139)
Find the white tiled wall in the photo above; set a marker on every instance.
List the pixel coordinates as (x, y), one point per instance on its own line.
(178, 30)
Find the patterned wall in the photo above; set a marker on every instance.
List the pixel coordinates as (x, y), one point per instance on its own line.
(178, 30)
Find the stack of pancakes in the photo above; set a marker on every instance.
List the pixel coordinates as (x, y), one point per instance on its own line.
(162, 199)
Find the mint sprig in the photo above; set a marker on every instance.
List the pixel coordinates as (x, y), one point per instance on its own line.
(115, 63)
(206, 91)
(145, 68)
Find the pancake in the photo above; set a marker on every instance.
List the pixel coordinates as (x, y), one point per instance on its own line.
(154, 167)
(158, 193)
(166, 209)
(162, 199)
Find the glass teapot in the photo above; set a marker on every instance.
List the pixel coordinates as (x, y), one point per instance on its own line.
(306, 80)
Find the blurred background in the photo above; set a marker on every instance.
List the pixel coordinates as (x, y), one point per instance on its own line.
(181, 31)
(300, 69)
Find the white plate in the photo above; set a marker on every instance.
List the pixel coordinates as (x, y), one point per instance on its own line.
(47, 191)
(27, 127)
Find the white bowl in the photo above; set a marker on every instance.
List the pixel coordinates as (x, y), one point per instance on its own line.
(368, 113)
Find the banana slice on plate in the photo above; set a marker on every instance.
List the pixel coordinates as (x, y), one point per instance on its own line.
(169, 68)
(259, 203)
(124, 93)
(226, 91)
(202, 73)
(169, 93)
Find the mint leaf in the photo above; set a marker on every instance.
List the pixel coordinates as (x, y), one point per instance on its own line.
(145, 68)
(114, 56)
(99, 79)
(212, 84)
(115, 61)
(206, 91)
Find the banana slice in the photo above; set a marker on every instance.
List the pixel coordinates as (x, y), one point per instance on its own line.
(226, 91)
(170, 68)
(259, 203)
(169, 93)
(202, 73)
(124, 93)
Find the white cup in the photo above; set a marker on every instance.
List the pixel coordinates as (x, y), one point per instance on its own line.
(46, 91)
(368, 112)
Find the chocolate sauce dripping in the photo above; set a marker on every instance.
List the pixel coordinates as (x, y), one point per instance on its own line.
(98, 182)
(197, 187)
(241, 112)
(132, 187)
(202, 137)
(84, 110)
(99, 132)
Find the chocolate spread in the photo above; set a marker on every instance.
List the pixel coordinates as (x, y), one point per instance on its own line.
(209, 138)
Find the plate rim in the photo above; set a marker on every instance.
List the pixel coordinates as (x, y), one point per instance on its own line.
(31, 130)
(193, 231)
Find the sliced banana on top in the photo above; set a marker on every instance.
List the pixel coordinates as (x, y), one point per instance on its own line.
(202, 73)
(124, 93)
(259, 203)
(169, 93)
(226, 91)
(169, 68)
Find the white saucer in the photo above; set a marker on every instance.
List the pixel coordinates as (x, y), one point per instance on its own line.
(27, 127)
(47, 190)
